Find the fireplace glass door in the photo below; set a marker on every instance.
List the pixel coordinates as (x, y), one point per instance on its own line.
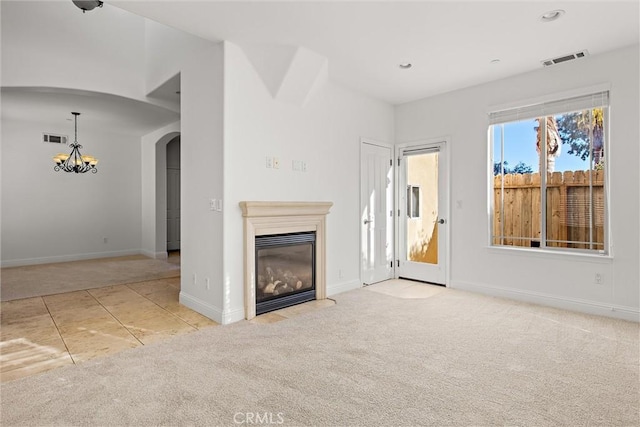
(285, 270)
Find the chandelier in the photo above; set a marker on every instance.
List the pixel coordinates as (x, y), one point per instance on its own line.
(75, 162)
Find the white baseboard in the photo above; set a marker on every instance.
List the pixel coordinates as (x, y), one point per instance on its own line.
(232, 316)
(202, 307)
(67, 258)
(573, 304)
(337, 288)
(154, 255)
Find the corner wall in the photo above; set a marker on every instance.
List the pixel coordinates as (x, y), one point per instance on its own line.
(199, 63)
(324, 133)
(551, 278)
(201, 159)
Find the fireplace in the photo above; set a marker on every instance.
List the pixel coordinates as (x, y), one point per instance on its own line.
(265, 221)
(285, 270)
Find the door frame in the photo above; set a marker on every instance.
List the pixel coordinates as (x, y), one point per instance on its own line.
(392, 151)
(445, 141)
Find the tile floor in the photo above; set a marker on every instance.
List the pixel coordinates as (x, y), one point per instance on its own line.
(42, 333)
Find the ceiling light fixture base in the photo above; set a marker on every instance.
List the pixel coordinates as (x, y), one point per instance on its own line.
(552, 15)
(87, 4)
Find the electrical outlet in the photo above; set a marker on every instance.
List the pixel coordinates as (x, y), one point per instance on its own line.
(195, 279)
(269, 162)
(206, 283)
(105, 240)
(598, 279)
(340, 273)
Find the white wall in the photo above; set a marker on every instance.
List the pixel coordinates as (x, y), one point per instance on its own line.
(201, 157)
(561, 280)
(199, 63)
(100, 51)
(167, 53)
(166, 50)
(325, 133)
(50, 216)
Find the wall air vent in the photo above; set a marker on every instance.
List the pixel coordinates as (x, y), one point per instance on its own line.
(54, 139)
(565, 58)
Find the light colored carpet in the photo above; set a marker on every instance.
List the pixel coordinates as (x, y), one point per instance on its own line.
(453, 358)
(49, 279)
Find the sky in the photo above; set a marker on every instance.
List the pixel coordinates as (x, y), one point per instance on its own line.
(520, 146)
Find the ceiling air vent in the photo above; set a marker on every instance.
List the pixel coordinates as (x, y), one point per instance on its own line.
(54, 139)
(565, 58)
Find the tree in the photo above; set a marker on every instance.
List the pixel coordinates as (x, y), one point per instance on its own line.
(519, 168)
(575, 129)
(553, 142)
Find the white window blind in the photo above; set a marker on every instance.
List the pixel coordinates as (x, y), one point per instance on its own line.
(578, 103)
(421, 150)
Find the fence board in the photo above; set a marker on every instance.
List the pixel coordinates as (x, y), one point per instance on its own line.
(568, 209)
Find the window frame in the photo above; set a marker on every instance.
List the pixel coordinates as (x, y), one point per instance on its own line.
(512, 114)
(410, 201)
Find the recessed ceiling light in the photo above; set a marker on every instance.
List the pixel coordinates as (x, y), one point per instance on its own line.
(552, 15)
(405, 65)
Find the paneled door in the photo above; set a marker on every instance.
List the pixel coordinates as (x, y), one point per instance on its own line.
(376, 212)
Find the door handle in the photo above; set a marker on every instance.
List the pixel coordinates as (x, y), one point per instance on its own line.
(441, 221)
(367, 221)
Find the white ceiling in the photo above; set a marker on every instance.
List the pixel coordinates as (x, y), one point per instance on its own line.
(451, 44)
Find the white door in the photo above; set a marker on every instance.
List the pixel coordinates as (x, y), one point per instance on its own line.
(376, 212)
(173, 209)
(423, 213)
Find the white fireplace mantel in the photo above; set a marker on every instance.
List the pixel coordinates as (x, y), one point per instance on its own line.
(265, 218)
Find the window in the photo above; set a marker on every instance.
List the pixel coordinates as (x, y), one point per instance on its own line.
(413, 201)
(548, 168)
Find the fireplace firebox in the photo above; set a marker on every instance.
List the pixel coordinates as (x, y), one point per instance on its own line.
(285, 270)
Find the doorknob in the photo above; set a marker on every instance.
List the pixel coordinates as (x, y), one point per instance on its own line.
(441, 221)
(367, 221)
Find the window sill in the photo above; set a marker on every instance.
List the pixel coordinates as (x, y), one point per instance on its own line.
(548, 253)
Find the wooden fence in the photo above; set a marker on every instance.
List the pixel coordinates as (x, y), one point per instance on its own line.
(569, 212)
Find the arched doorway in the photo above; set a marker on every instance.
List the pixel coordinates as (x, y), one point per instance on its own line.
(173, 194)
(156, 228)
